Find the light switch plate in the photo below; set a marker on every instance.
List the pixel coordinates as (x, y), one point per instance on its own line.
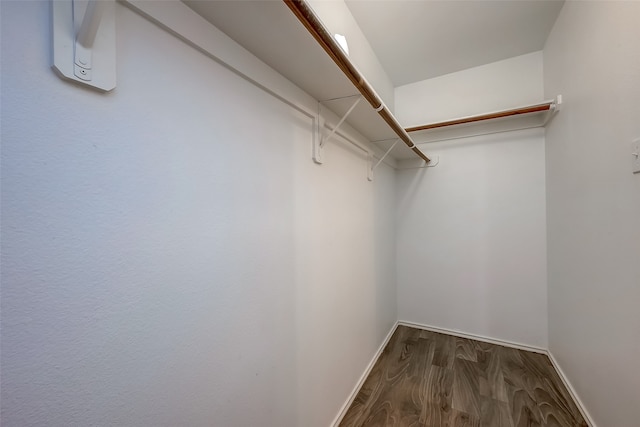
(635, 152)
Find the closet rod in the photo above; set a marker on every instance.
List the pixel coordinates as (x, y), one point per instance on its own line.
(506, 113)
(312, 23)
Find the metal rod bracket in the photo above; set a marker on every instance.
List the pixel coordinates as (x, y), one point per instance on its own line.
(320, 139)
(344, 117)
(318, 150)
(384, 156)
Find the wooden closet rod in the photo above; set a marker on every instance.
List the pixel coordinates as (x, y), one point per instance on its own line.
(312, 23)
(471, 119)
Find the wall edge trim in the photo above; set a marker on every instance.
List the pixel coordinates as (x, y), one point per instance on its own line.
(482, 338)
(347, 404)
(574, 395)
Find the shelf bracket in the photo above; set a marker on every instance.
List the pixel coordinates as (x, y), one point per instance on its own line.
(557, 103)
(553, 110)
(373, 167)
(84, 42)
(321, 140)
(318, 152)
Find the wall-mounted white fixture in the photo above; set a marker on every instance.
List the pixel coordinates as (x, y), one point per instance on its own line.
(84, 42)
(342, 41)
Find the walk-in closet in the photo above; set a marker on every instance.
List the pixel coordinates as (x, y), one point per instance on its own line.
(320, 213)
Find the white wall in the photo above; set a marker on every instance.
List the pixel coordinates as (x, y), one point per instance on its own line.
(592, 57)
(471, 238)
(500, 85)
(170, 253)
(471, 230)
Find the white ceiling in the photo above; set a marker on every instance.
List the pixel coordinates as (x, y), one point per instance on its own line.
(416, 40)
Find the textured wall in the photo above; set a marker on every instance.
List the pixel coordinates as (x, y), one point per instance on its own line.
(510, 83)
(471, 230)
(592, 57)
(170, 253)
(471, 238)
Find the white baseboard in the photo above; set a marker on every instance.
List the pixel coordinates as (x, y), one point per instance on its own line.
(482, 338)
(362, 379)
(454, 332)
(572, 391)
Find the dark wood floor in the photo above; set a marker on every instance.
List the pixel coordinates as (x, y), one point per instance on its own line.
(428, 379)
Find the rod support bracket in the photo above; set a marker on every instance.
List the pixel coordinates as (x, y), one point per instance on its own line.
(321, 138)
(318, 149)
(344, 117)
(370, 166)
(557, 103)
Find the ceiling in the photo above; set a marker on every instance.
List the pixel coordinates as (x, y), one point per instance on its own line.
(416, 40)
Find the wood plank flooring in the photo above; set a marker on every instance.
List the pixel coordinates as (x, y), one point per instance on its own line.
(427, 379)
